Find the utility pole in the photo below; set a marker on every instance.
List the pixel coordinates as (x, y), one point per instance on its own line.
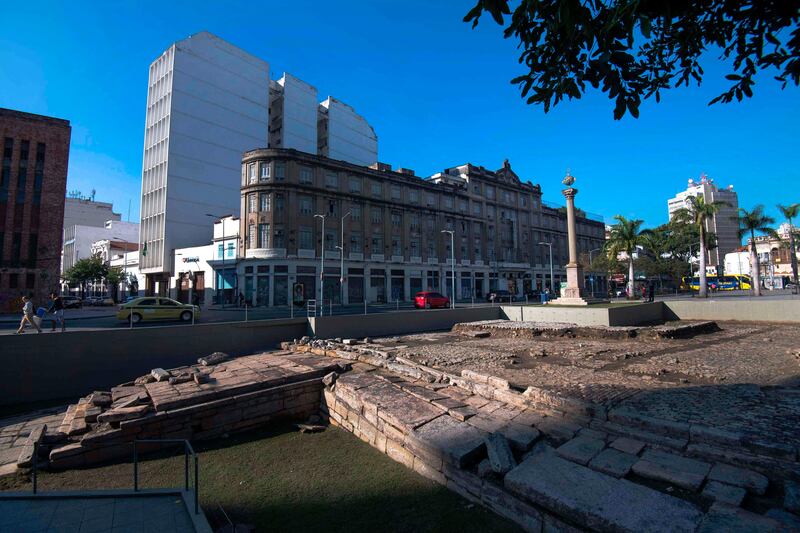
(452, 263)
(552, 282)
(321, 261)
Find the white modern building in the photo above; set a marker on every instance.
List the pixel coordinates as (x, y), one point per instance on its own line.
(209, 271)
(78, 240)
(81, 211)
(723, 224)
(208, 102)
(774, 259)
(128, 261)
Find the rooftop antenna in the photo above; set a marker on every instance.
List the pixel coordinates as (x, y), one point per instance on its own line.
(129, 209)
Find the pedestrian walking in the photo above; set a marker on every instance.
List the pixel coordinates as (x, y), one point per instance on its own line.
(651, 291)
(56, 310)
(27, 316)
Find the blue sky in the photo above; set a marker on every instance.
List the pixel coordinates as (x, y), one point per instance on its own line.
(436, 92)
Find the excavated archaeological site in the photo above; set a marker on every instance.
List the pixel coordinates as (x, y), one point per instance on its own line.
(679, 427)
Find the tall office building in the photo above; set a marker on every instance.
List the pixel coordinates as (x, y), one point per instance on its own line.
(208, 102)
(33, 180)
(723, 224)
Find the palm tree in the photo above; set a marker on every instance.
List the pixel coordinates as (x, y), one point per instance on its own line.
(699, 212)
(624, 237)
(752, 222)
(790, 212)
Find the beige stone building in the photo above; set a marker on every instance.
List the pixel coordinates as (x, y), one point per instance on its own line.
(390, 224)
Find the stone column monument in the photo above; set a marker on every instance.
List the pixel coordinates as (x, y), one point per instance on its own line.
(575, 292)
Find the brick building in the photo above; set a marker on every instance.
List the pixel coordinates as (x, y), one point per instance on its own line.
(393, 223)
(33, 182)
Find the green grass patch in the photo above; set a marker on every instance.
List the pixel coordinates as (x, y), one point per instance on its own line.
(282, 480)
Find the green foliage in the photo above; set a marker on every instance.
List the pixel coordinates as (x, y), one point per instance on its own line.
(625, 236)
(755, 221)
(633, 50)
(86, 270)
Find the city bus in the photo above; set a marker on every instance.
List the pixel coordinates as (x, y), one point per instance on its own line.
(729, 282)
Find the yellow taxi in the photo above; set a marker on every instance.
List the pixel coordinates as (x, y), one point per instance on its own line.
(156, 308)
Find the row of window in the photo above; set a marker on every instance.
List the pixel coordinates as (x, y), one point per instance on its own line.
(267, 171)
(22, 171)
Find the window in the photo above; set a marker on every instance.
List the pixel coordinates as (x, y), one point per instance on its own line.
(355, 184)
(490, 192)
(263, 235)
(377, 243)
(280, 170)
(490, 211)
(414, 245)
(278, 239)
(377, 215)
(413, 196)
(331, 180)
(462, 205)
(251, 236)
(397, 246)
(251, 173)
(333, 208)
(476, 188)
(448, 202)
(30, 281)
(355, 242)
(306, 175)
(355, 211)
(377, 189)
(396, 192)
(431, 248)
(414, 222)
(397, 219)
(330, 239)
(231, 250)
(265, 171)
(430, 199)
(264, 202)
(477, 247)
(430, 223)
(221, 251)
(306, 205)
(306, 238)
(476, 209)
(23, 173)
(251, 203)
(508, 198)
(524, 200)
(279, 202)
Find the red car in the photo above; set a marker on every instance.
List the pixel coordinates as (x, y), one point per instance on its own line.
(429, 300)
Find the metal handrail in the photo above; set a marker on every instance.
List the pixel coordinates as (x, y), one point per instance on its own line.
(187, 451)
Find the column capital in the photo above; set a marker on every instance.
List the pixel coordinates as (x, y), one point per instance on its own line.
(569, 192)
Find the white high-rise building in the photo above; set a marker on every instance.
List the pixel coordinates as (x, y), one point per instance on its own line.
(208, 102)
(723, 224)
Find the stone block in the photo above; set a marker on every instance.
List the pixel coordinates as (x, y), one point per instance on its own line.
(627, 445)
(462, 413)
(467, 481)
(663, 466)
(740, 477)
(581, 449)
(730, 519)
(790, 520)
(520, 437)
(399, 453)
(597, 501)
(101, 398)
(408, 412)
(500, 456)
(486, 423)
(485, 469)
(475, 376)
(558, 429)
(448, 403)
(497, 383)
(791, 496)
(123, 413)
(428, 471)
(720, 492)
(452, 441)
(613, 462)
(160, 374)
(213, 359)
(511, 508)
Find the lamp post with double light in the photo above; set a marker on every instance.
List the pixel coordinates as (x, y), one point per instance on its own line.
(552, 283)
(321, 260)
(590, 267)
(341, 261)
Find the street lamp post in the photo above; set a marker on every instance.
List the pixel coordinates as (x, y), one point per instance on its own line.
(321, 261)
(590, 267)
(552, 285)
(452, 263)
(341, 261)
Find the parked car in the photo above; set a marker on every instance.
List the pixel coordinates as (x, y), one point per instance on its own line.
(104, 301)
(90, 301)
(500, 296)
(72, 302)
(152, 308)
(430, 300)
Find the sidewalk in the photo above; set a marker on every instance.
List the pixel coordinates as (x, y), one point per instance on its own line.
(69, 314)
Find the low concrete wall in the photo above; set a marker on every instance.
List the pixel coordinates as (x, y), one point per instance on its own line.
(398, 323)
(732, 308)
(35, 368)
(623, 315)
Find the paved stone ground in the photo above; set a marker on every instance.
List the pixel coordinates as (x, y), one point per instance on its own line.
(157, 514)
(15, 432)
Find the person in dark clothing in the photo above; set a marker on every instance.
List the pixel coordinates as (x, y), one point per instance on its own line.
(196, 299)
(651, 291)
(56, 309)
